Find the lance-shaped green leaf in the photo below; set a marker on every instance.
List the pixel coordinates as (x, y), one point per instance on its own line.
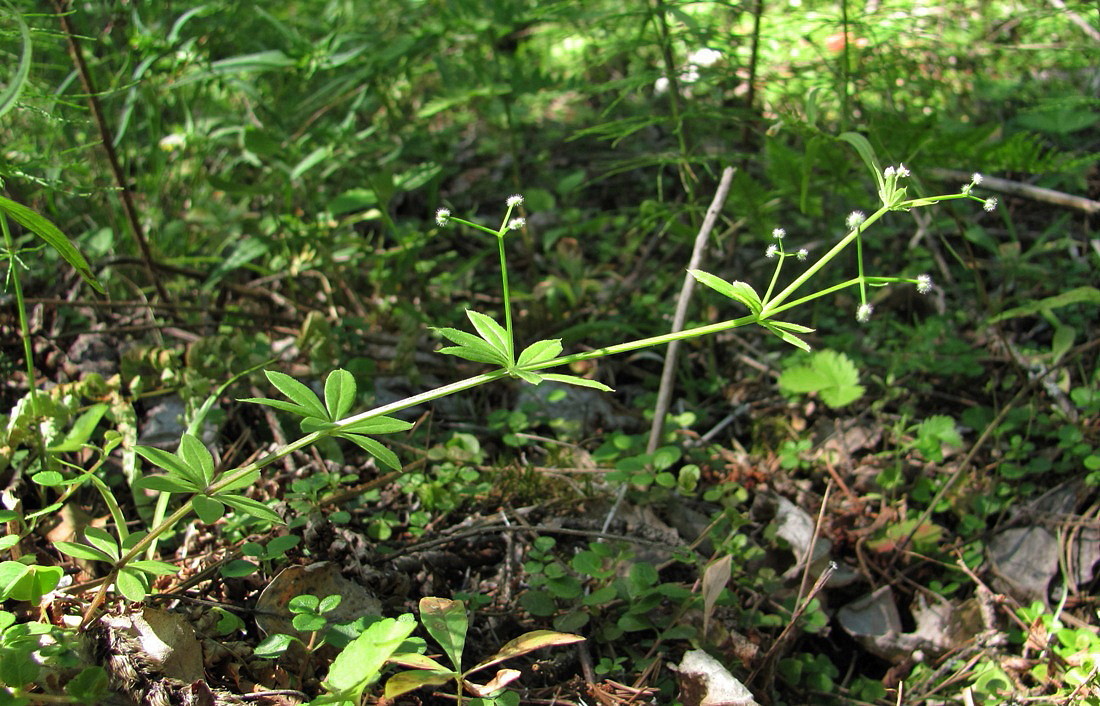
(380, 452)
(168, 484)
(245, 481)
(528, 642)
(784, 330)
(251, 507)
(102, 540)
(378, 425)
(81, 551)
(360, 663)
(53, 237)
(404, 682)
(539, 352)
(303, 401)
(492, 332)
(471, 348)
(578, 381)
(739, 291)
(446, 621)
(197, 457)
(18, 81)
(867, 153)
(339, 393)
(173, 464)
(156, 568)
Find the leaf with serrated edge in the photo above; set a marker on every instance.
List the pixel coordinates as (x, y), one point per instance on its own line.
(529, 642)
(378, 425)
(170, 462)
(490, 330)
(446, 621)
(404, 682)
(539, 352)
(578, 381)
(251, 507)
(741, 291)
(339, 393)
(197, 457)
(297, 392)
(380, 452)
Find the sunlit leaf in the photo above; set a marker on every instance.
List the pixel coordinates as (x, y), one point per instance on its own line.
(738, 291)
(251, 507)
(81, 551)
(197, 457)
(539, 352)
(175, 465)
(404, 682)
(53, 237)
(133, 585)
(490, 330)
(380, 452)
(446, 621)
(529, 642)
(378, 425)
(298, 393)
(102, 540)
(359, 664)
(339, 393)
(578, 381)
(208, 509)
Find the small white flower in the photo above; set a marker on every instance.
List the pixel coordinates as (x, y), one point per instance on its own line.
(660, 86)
(170, 143)
(690, 74)
(778, 233)
(888, 172)
(704, 57)
(516, 223)
(924, 284)
(854, 219)
(975, 178)
(990, 204)
(771, 251)
(863, 313)
(442, 216)
(514, 200)
(903, 171)
(803, 254)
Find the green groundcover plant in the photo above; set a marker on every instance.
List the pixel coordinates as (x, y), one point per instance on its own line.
(190, 473)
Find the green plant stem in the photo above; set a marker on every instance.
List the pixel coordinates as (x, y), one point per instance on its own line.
(24, 334)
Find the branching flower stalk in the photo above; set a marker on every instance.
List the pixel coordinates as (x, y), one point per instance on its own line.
(496, 345)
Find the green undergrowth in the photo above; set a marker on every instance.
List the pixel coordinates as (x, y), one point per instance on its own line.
(220, 340)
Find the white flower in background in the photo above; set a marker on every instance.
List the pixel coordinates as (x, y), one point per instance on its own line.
(690, 74)
(924, 284)
(778, 233)
(772, 251)
(990, 204)
(803, 254)
(660, 86)
(442, 216)
(863, 313)
(514, 200)
(854, 219)
(173, 142)
(704, 57)
(517, 223)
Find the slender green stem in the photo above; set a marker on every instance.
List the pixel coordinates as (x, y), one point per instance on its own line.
(24, 334)
(773, 304)
(859, 264)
